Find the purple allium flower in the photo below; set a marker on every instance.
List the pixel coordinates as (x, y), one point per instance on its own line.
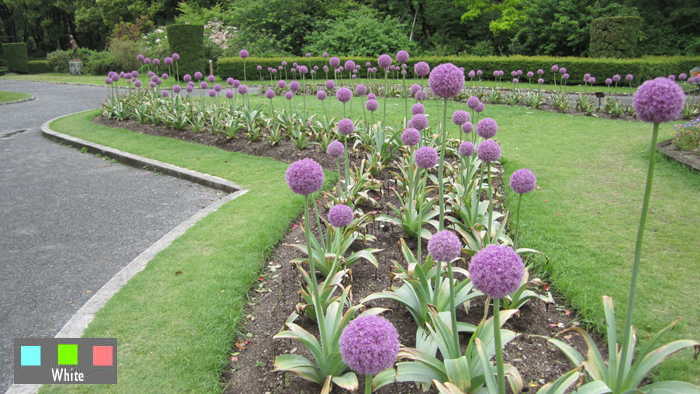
(108, 81)
(417, 108)
(294, 86)
(321, 94)
(217, 87)
(415, 88)
(302, 69)
(147, 60)
(156, 61)
(371, 105)
(402, 56)
(487, 128)
(211, 78)
(134, 74)
(258, 67)
(371, 96)
(555, 68)
(473, 102)
(236, 83)
(242, 89)
(189, 88)
(659, 100)
(187, 77)
(330, 84)
(198, 75)
(591, 80)
(270, 93)
(523, 181)
(345, 126)
(419, 121)
(671, 77)
(562, 70)
(137, 83)
(616, 78)
(349, 65)
(488, 151)
(516, 80)
(304, 176)
(565, 76)
(175, 56)
(289, 95)
(426, 157)
(340, 215)
(466, 148)
(540, 71)
(343, 95)
(384, 61)
(496, 270)
(140, 58)
(682, 76)
(152, 84)
(229, 93)
(586, 76)
(460, 117)
(513, 73)
(608, 81)
(471, 74)
(168, 60)
(335, 149)
(281, 84)
(410, 136)
(444, 246)
(467, 127)
(530, 74)
(420, 96)
(369, 344)
(165, 93)
(446, 80)
(243, 53)
(177, 88)
(325, 54)
(203, 85)
(325, 68)
(421, 69)
(212, 93)
(360, 90)
(334, 62)
(479, 73)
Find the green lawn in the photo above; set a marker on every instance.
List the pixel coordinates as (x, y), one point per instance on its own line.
(175, 331)
(6, 97)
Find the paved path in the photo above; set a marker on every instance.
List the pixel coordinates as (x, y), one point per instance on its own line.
(69, 220)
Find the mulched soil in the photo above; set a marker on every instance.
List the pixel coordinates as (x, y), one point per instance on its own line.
(274, 297)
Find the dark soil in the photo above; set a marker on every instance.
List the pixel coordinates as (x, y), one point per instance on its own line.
(276, 294)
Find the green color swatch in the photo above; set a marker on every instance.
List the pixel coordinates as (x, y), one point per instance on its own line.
(67, 354)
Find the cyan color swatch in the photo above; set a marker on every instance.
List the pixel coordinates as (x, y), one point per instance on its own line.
(30, 356)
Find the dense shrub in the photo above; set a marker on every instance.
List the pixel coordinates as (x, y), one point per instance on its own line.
(615, 36)
(16, 56)
(39, 66)
(601, 68)
(58, 60)
(188, 41)
(100, 63)
(124, 52)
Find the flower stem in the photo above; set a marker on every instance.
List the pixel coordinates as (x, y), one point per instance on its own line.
(405, 101)
(368, 384)
(488, 180)
(453, 311)
(499, 349)
(386, 94)
(517, 221)
(441, 167)
(637, 256)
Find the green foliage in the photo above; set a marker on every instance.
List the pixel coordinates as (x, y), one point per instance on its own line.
(38, 66)
(360, 33)
(58, 60)
(688, 136)
(16, 55)
(124, 52)
(615, 36)
(188, 41)
(100, 63)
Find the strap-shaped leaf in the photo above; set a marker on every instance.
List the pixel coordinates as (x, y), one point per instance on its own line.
(386, 377)
(348, 381)
(458, 372)
(447, 388)
(611, 331)
(670, 387)
(296, 332)
(594, 387)
(655, 358)
(569, 351)
(298, 365)
(486, 366)
(513, 377)
(412, 371)
(562, 384)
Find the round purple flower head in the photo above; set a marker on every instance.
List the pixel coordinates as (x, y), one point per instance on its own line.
(321, 94)
(444, 246)
(473, 102)
(340, 215)
(417, 108)
(294, 86)
(334, 62)
(540, 81)
(608, 81)
(446, 80)
(629, 77)
(243, 53)
(555, 68)
(168, 60)
(281, 84)
(177, 88)
(270, 93)
(211, 78)
(466, 148)
(345, 126)
(242, 89)
(682, 76)
(496, 270)
(190, 88)
(369, 344)
(152, 84)
(616, 78)
(229, 93)
(410, 136)
(175, 56)
(562, 70)
(659, 100)
(591, 80)
(360, 90)
(140, 57)
(165, 93)
(289, 95)
(419, 121)
(217, 87)
(467, 127)
(137, 83)
(402, 56)
(426, 157)
(460, 117)
(198, 75)
(540, 71)
(371, 96)
(415, 88)
(156, 61)
(523, 181)
(471, 74)
(187, 77)
(530, 74)
(212, 93)
(487, 128)
(330, 84)
(421, 96)
(349, 65)
(384, 61)
(371, 105)
(203, 85)
(236, 83)
(343, 95)
(108, 81)
(488, 151)
(258, 67)
(335, 149)
(421, 69)
(304, 176)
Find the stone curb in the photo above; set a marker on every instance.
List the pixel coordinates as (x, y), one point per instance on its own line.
(32, 98)
(75, 327)
(669, 150)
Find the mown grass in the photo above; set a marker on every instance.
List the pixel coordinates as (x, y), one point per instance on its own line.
(6, 97)
(175, 330)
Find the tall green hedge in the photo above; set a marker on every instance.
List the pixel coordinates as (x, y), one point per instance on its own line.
(601, 68)
(188, 41)
(15, 54)
(38, 67)
(615, 36)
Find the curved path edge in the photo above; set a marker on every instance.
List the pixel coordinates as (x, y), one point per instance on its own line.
(24, 100)
(75, 327)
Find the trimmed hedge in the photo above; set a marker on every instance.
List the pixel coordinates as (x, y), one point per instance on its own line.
(615, 36)
(188, 41)
(39, 66)
(15, 54)
(601, 68)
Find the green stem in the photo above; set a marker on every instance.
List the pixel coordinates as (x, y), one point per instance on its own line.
(346, 169)
(368, 384)
(499, 349)
(386, 94)
(488, 180)
(405, 102)
(517, 221)
(453, 311)
(637, 257)
(441, 167)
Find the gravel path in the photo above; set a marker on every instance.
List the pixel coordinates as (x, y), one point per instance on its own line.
(69, 220)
